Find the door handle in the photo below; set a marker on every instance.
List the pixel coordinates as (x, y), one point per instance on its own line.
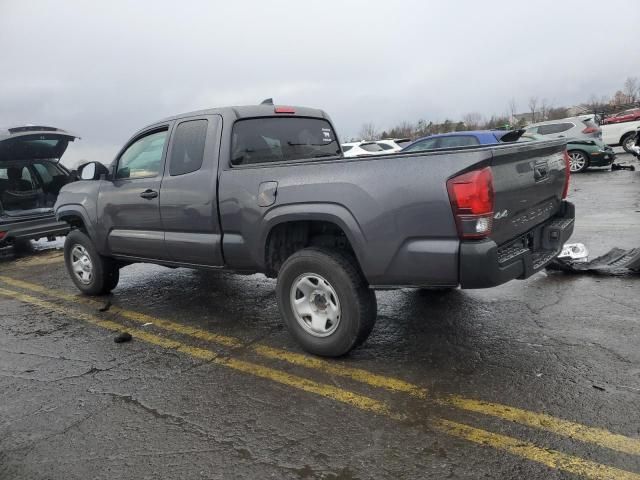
(149, 194)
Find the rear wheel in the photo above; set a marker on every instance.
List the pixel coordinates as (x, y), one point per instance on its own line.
(579, 161)
(325, 301)
(628, 141)
(92, 273)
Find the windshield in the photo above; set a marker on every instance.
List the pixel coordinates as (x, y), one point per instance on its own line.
(280, 139)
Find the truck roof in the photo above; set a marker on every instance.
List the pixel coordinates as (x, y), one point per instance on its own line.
(249, 111)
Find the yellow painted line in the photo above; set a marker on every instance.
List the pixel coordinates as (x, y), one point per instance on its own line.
(134, 316)
(359, 401)
(550, 458)
(577, 431)
(542, 421)
(333, 368)
(39, 260)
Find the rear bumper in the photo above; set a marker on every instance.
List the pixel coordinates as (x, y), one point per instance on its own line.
(32, 229)
(484, 264)
(601, 159)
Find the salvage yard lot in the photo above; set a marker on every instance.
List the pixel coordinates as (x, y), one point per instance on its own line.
(533, 379)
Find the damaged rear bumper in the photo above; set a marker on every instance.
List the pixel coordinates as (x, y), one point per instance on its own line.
(31, 229)
(484, 264)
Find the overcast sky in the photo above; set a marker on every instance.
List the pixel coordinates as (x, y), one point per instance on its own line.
(105, 69)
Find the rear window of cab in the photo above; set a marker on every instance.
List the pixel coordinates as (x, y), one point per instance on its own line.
(282, 139)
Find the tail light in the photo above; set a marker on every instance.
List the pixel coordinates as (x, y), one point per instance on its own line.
(591, 130)
(2, 234)
(567, 174)
(471, 197)
(284, 110)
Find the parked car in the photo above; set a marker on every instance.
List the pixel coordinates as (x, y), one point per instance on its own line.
(266, 189)
(582, 153)
(630, 115)
(455, 140)
(572, 127)
(623, 134)
(356, 149)
(391, 145)
(30, 180)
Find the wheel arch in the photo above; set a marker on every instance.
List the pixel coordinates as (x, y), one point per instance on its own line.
(77, 217)
(313, 213)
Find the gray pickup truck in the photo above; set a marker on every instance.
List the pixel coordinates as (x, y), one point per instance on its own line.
(266, 189)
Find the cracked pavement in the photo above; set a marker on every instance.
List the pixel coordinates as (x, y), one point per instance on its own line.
(75, 405)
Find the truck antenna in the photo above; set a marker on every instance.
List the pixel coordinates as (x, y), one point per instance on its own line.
(267, 101)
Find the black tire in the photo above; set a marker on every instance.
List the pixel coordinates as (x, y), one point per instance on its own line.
(579, 153)
(627, 142)
(356, 299)
(105, 271)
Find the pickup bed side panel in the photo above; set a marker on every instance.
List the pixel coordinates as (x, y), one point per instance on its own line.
(395, 211)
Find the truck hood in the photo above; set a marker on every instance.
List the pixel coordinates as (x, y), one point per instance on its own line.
(33, 143)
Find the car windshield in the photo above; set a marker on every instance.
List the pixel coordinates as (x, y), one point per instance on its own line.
(279, 139)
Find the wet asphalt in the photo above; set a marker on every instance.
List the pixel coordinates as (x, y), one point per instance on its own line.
(76, 405)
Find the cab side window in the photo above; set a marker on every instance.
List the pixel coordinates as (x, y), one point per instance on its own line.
(143, 158)
(188, 147)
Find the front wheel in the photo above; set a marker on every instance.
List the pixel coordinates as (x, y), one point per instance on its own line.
(578, 161)
(92, 273)
(325, 301)
(628, 142)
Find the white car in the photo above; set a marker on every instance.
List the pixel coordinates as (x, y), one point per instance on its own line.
(391, 145)
(624, 134)
(355, 149)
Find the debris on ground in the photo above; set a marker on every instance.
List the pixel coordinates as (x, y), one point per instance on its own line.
(106, 306)
(123, 337)
(574, 251)
(615, 262)
(619, 166)
(147, 324)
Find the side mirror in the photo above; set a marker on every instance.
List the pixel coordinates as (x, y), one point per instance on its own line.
(92, 171)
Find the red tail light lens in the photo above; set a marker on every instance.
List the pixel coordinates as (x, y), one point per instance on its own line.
(284, 110)
(567, 174)
(471, 197)
(2, 234)
(590, 130)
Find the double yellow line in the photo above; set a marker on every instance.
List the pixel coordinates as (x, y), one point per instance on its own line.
(550, 458)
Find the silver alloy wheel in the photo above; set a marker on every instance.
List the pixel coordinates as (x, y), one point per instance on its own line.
(315, 305)
(577, 161)
(81, 264)
(628, 143)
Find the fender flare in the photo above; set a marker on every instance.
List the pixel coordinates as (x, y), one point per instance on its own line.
(327, 212)
(76, 210)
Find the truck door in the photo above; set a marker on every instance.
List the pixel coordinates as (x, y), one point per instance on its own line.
(188, 196)
(130, 203)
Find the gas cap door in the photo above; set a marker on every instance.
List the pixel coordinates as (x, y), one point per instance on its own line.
(267, 192)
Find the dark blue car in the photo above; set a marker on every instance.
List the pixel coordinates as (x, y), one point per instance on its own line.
(583, 153)
(456, 139)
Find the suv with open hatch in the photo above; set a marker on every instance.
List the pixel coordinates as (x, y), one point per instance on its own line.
(30, 180)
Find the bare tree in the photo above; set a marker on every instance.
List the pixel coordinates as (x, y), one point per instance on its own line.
(472, 120)
(631, 89)
(513, 109)
(533, 105)
(557, 113)
(368, 131)
(544, 109)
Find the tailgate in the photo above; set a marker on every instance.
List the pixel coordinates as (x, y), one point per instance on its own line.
(528, 182)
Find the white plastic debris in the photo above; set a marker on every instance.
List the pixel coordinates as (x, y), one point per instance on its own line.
(577, 252)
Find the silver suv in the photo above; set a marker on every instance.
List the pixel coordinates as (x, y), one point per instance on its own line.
(572, 127)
